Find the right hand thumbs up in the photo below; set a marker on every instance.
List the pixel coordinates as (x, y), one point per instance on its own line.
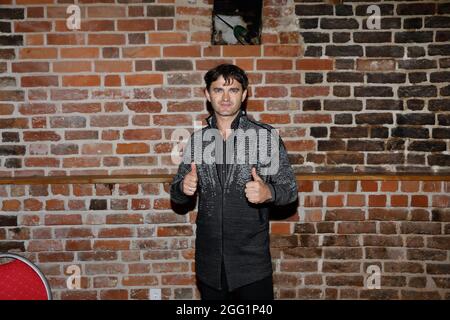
(190, 181)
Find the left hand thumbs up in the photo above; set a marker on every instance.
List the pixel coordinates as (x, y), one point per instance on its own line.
(257, 191)
(255, 175)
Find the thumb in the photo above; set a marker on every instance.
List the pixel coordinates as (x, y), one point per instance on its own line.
(193, 168)
(255, 175)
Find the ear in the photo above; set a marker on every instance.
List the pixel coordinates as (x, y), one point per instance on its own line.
(244, 94)
(207, 94)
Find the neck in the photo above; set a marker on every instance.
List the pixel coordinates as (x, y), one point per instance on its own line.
(224, 123)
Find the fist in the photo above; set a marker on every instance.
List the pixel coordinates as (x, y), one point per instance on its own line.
(190, 181)
(257, 191)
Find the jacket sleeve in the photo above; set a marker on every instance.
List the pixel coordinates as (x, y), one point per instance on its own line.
(282, 184)
(176, 193)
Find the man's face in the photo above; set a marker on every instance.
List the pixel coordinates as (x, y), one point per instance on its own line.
(226, 100)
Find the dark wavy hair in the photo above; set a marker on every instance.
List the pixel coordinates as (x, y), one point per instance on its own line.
(229, 72)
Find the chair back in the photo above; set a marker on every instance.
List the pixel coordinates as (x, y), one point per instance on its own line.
(20, 279)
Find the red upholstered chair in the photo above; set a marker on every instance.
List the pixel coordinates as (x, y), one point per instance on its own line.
(20, 279)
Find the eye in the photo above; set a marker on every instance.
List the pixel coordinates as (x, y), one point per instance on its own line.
(234, 90)
(217, 90)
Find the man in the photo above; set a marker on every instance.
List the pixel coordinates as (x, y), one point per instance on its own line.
(237, 184)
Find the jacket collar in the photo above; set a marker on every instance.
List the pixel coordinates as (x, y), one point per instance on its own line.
(212, 121)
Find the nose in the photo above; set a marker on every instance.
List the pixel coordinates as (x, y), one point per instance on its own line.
(226, 96)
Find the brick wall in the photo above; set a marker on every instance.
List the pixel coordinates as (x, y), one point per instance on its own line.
(105, 100)
(126, 239)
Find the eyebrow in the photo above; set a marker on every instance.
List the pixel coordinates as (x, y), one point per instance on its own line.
(229, 86)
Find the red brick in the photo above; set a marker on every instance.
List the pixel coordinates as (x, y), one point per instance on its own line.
(111, 245)
(32, 205)
(377, 200)
(136, 25)
(73, 232)
(75, 107)
(419, 201)
(27, 67)
(38, 53)
(200, 36)
(431, 186)
(314, 64)
(441, 201)
(305, 186)
(212, 51)
(65, 39)
(142, 134)
(142, 52)
(72, 66)
(280, 228)
(167, 37)
(282, 51)
(271, 92)
(143, 79)
(309, 91)
(114, 294)
(388, 214)
(344, 214)
(356, 227)
(78, 245)
(241, 51)
(81, 162)
(245, 64)
(97, 148)
(109, 121)
(181, 280)
(115, 233)
(399, 200)
(134, 281)
(300, 145)
(206, 64)
(44, 245)
(113, 81)
(132, 148)
(79, 53)
(172, 93)
(292, 37)
(40, 136)
(193, 11)
(63, 219)
(173, 120)
(355, 200)
(124, 219)
(389, 186)
(106, 39)
(182, 51)
(313, 201)
(113, 66)
(39, 81)
(369, 186)
(34, 39)
(335, 201)
(410, 186)
(312, 118)
(140, 204)
(106, 11)
(269, 38)
(81, 81)
(174, 231)
(273, 64)
(283, 78)
(37, 108)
